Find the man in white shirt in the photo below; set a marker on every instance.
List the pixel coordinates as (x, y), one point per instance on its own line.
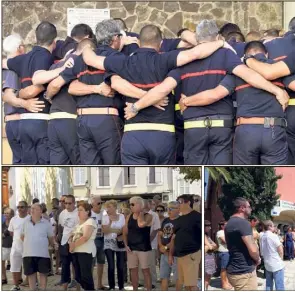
(96, 214)
(155, 227)
(68, 219)
(272, 251)
(15, 228)
(36, 233)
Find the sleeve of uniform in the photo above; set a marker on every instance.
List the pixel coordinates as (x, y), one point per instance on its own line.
(175, 74)
(229, 82)
(70, 74)
(290, 62)
(42, 62)
(169, 60)
(289, 79)
(11, 81)
(14, 64)
(232, 61)
(169, 44)
(115, 64)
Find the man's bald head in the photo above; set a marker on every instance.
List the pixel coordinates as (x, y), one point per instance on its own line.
(150, 36)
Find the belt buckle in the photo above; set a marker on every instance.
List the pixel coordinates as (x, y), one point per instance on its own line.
(208, 122)
(269, 122)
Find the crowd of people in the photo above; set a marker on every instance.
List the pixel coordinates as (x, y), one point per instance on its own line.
(136, 239)
(179, 100)
(245, 245)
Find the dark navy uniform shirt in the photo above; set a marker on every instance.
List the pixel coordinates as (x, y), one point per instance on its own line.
(129, 49)
(279, 48)
(10, 80)
(145, 69)
(91, 76)
(62, 47)
(63, 101)
(290, 61)
(205, 74)
(169, 45)
(255, 102)
(26, 65)
(238, 47)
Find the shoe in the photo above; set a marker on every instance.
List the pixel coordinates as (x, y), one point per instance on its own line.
(4, 281)
(7, 267)
(15, 288)
(153, 287)
(102, 288)
(73, 284)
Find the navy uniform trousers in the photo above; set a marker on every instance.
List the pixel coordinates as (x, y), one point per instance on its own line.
(13, 137)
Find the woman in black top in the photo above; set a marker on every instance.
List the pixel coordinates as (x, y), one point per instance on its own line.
(6, 242)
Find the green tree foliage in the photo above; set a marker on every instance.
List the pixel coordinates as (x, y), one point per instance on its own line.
(256, 184)
(190, 173)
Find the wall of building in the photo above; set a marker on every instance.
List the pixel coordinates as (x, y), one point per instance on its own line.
(23, 17)
(286, 185)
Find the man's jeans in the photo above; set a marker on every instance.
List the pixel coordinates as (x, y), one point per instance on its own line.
(277, 277)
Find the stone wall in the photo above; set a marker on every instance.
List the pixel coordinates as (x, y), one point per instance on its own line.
(23, 17)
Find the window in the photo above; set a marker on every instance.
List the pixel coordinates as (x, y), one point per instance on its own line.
(80, 176)
(103, 176)
(184, 187)
(155, 175)
(129, 176)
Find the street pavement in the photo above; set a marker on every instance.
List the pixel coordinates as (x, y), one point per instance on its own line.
(289, 279)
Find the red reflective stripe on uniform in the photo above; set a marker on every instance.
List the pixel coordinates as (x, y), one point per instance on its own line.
(26, 79)
(56, 61)
(280, 58)
(146, 85)
(248, 85)
(90, 72)
(202, 73)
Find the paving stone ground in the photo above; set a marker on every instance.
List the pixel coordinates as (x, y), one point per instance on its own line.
(289, 279)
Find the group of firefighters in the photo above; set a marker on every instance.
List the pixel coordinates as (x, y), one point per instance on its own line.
(115, 97)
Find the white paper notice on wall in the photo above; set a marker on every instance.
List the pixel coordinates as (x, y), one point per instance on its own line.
(87, 16)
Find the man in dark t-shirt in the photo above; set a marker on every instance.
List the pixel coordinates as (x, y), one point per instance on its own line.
(164, 239)
(186, 243)
(243, 252)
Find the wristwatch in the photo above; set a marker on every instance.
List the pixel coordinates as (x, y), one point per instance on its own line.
(248, 57)
(134, 109)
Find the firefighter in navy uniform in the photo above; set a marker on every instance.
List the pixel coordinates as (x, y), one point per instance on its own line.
(33, 126)
(281, 68)
(149, 138)
(208, 126)
(62, 130)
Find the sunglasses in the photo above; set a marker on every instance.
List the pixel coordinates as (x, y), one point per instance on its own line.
(160, 211)
(99, 203)
(21, 207)
(171, 209)
(132, 204)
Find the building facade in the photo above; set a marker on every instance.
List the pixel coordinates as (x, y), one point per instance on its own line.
(123, 182)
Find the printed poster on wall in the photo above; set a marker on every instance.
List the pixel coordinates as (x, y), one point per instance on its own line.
(87, 16)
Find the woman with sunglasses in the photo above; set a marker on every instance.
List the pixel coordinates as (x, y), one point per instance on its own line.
(210, 247)
(161, 211)
(112, 227)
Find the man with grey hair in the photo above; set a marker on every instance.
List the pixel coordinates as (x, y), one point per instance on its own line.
(96, 215)
(150, 137)
(208, 123)
(272, 252)
(12, 47)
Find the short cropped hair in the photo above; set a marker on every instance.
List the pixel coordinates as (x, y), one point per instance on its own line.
(86, 206)
(239, 202)
(80, 31)
(71, 197)
(206, 30)
(255, 45)
(228, 28)
(45, 33)
(150, 35)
